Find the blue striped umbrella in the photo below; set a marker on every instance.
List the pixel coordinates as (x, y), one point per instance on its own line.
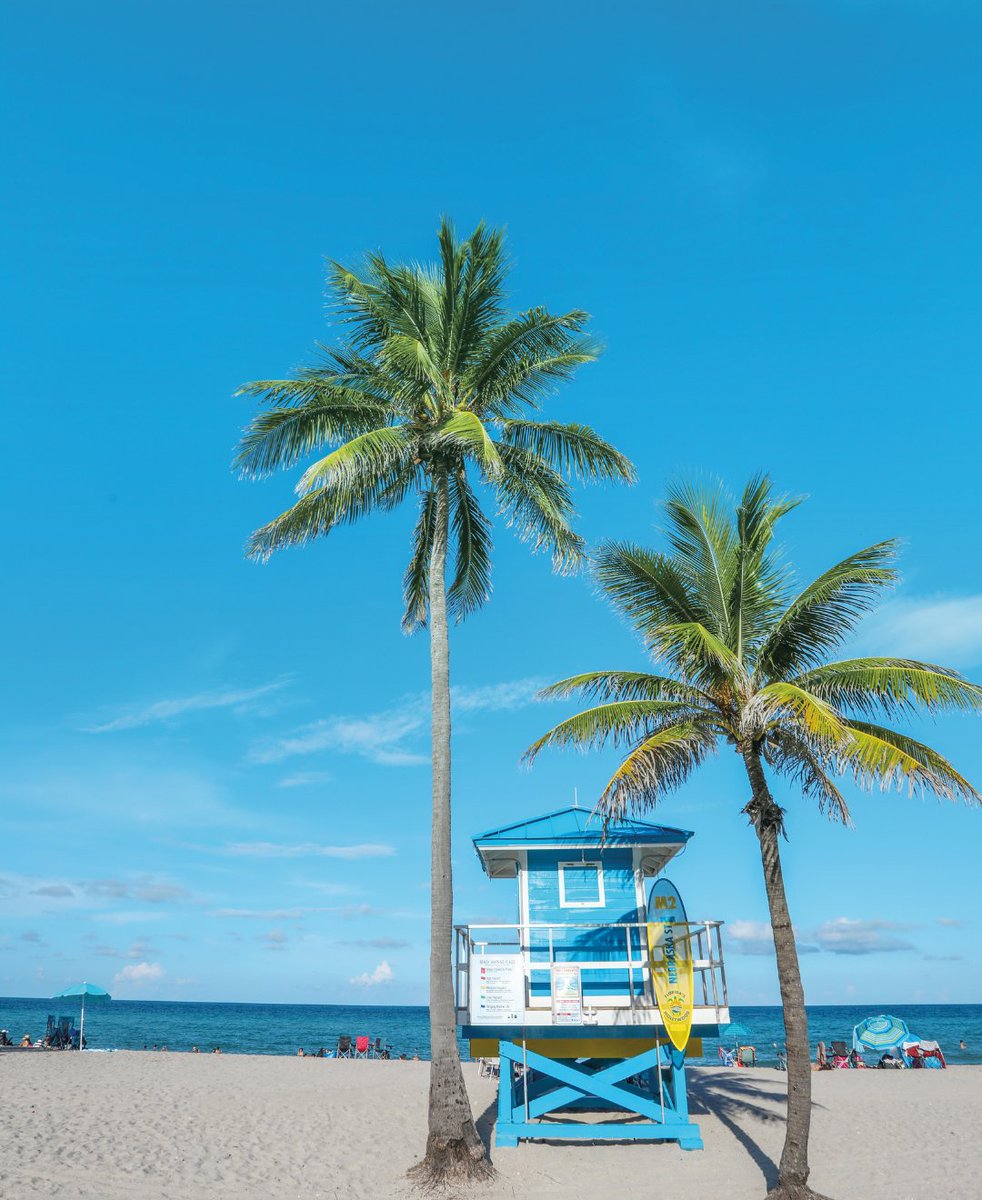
(880, 1033)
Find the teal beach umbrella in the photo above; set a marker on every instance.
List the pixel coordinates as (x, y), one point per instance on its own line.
(736, 1032)
(83, 991)
(880, 1033)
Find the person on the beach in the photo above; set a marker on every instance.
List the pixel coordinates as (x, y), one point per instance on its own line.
(217, 1050)
(25, 1041)
(195, 1050)
(961, 1045)
(301, 1053)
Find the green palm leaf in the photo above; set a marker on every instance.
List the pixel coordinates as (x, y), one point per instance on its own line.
(891, 685)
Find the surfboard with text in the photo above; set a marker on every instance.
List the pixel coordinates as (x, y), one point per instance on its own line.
(670, 960)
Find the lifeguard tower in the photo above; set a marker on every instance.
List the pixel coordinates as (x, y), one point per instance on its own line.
(567, 998)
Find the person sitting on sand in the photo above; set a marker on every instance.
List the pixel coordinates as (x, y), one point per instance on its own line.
(217, 1050)
(195, 1050)
(301, 1053)
(25, 1042)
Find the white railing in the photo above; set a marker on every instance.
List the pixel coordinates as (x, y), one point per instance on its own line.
(542, 945)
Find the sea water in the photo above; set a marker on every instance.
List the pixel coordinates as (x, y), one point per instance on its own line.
(284, 1028)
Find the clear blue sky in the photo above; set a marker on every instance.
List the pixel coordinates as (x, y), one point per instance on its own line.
(772, 212)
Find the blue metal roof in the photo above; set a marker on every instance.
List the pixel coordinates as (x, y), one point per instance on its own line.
(580, 826)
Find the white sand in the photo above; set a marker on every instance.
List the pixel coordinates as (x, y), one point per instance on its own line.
(150, 1126)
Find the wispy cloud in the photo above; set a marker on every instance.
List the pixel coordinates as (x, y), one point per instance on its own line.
(389, 738)
(939, 628)
(951, 922)
(305, 779)
(379, 943)
(497, 697)
(381, 974)
(380, 738)
(167, 710)
(275, 939)
(306, 850)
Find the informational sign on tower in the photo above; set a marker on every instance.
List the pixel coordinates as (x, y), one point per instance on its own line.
(567, 995)
(497, 989)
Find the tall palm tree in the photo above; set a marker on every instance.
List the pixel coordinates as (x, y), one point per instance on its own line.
(429, 397)
(747, 655)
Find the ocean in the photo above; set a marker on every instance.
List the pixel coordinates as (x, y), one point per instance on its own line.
(283, 1028)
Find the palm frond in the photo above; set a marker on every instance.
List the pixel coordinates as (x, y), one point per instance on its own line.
(616, 723)
(645, 587)
(572, 449)
(823, 615)
(806, 763)
(537, 504)
(891, 685)
(465, 430)
(625, 685)
(416, 581)
(778, 703)
(699, 655)
(521, 357)
(757, 588)
(340, 502)
(884, 757)
(702, 538)
(470, 534)
(375, 453)
(306, 415)
(660, 764)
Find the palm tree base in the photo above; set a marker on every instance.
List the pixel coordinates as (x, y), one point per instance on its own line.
(451, 1161)
(794, 1191)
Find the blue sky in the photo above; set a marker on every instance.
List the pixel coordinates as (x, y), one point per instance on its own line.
(214, 781)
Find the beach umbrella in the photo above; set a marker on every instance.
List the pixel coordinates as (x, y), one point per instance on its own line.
(735, 1032)
(880, 1033)
(83, 991)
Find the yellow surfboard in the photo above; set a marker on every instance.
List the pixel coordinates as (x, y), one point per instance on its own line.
(670, 961)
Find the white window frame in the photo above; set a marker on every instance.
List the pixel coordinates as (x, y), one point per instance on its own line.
(579, 864)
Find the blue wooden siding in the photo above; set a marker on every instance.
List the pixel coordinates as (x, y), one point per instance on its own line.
(620, 905)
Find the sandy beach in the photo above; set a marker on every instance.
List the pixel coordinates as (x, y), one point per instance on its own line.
(133, 1126)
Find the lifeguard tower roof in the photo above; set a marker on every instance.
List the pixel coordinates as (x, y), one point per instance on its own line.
(580, 829)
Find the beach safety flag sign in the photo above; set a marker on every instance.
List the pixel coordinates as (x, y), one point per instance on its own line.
(670, 960)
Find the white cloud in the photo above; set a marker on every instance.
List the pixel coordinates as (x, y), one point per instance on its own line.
(307, 850)
(166, 710)
(756, 937)
(381, 974)
(843, 935)
(946, 629)
(139, 973)
(389, 738)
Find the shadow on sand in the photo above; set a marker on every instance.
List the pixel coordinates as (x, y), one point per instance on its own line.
(730, 1097)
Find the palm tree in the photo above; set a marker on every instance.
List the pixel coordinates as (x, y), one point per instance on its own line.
(747, 655)
(429, 397)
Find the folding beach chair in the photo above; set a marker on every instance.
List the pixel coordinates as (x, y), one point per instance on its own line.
(746, 1056)
(361, 1045)
(344, 1047)
(840, 1055)
(933, 1056)
(727, 1057)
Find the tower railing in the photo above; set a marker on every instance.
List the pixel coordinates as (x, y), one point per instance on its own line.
(543, 945)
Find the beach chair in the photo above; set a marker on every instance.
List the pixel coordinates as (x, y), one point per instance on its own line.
(362, 1044)
(840, 1055)
(344, 1049)
(727, 1057)
(379, 1050)
(931, 1052)
(746, 1056)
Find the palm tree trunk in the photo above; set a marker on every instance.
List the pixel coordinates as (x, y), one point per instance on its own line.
(768, 819)
(453, 1148)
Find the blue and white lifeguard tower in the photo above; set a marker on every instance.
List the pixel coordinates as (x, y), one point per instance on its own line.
(565, 998)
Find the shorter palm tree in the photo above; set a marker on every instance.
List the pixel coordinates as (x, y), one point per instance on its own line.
(748, 657)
